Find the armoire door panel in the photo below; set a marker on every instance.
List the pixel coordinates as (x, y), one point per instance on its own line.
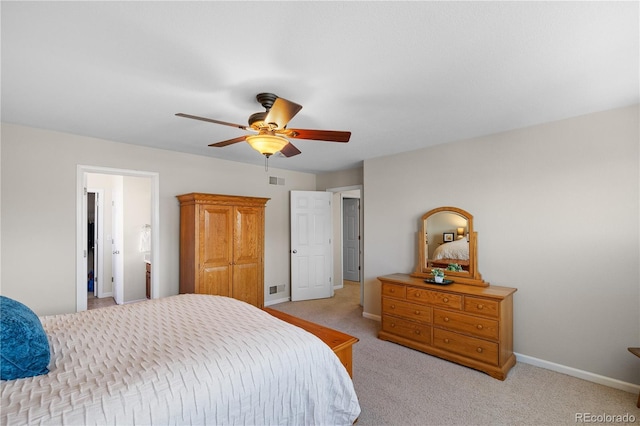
(248, 226)
(216, 280)
(215, 234)
(245, 278)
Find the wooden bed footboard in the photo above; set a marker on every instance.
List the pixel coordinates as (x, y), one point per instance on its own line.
(339, 342)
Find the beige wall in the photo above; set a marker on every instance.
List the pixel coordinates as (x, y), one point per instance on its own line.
(38, 199)
(555, 207)
(340, 179)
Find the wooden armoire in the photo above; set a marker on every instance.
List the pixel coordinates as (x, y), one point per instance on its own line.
(222, 246)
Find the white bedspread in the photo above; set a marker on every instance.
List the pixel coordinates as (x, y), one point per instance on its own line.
(187, 359)
(458, 249)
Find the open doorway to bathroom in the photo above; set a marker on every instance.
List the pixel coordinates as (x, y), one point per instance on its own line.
(117, 236)
(98, 295)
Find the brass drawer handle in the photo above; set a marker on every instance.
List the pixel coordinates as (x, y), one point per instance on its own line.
(417, 312)
(393, 306)
(418, 294)
(417, 331)
(446, 340)
(446, 319)
(445, 300)
(479, 326)
(479, 350)
(392, 290)
(480, 306)
(393, 324)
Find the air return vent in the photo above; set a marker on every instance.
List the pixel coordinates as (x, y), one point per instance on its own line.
(273, 180)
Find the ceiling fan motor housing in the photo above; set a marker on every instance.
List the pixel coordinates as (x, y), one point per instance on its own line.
(256, 121)
(266, 100)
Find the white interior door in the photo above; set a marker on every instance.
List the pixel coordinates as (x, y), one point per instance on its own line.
(351, 239)
(311, 262)
(117, 237)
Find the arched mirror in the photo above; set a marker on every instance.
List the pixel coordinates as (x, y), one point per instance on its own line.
(447, 241)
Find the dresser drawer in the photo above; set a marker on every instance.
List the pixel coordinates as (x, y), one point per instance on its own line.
(407, 310)
(436, 298)
(489, 308)
(411, 330)
(467, 346)
(476, 326)
(394, 290)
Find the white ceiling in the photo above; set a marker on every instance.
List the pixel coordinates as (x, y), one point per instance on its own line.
(399, 76)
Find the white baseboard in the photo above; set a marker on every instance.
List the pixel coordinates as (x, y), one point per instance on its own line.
(569, 371)
(136, 301)
(276, 301)
(581, 374)
(372, 316)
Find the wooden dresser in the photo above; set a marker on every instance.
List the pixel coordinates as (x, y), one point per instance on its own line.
(469, 325)
(222, 246)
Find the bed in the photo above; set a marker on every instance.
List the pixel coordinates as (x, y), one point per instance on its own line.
(458, 249)
(185, 359)
(454, 252)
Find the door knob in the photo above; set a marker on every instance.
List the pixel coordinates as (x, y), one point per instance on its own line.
(294, 251)
(116, 252)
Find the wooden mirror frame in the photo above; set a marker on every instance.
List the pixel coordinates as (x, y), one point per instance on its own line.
(470, 277)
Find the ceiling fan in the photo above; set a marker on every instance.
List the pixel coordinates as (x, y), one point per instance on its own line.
(271, 128)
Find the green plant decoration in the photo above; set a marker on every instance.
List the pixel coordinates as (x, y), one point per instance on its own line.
(454, 267)
(437, 272)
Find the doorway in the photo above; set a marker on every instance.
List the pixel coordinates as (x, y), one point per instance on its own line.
(340, 194)
(350, 238)
(145, 190)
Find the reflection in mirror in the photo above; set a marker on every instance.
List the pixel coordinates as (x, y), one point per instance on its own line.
(447, 240)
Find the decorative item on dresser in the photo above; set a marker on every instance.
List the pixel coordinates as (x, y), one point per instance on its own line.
(466, 321)
(222, 246)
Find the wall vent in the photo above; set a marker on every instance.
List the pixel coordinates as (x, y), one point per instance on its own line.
(273, 289)
(274, 180)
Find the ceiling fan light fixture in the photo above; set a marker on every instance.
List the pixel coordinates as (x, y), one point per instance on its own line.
(267, 145)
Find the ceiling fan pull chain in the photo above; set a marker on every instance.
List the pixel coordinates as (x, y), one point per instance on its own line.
(266, 163)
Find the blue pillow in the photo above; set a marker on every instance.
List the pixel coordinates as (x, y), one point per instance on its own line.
(24, 347)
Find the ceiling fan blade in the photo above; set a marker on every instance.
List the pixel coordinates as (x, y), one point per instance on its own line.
(230, 141)
(289, 150)
(211, 120)
(319, 135)
(282, 112)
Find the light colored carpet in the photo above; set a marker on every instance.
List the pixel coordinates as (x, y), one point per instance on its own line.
(400, 386)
